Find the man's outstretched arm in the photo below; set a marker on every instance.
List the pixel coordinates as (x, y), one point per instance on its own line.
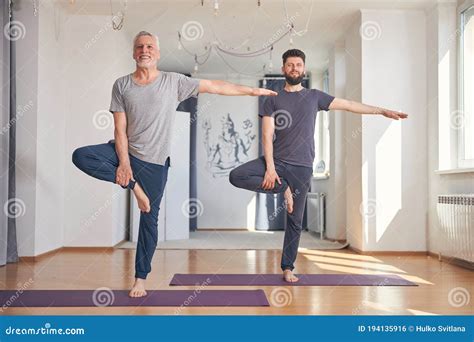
(360, 108)
(227, 88)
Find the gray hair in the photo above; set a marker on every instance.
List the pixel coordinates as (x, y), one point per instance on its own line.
(145, 33)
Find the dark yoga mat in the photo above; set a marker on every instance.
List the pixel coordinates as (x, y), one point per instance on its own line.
(60, 298)
(277, 279)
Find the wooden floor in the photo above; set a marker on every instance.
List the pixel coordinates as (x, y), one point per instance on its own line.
(91, 269)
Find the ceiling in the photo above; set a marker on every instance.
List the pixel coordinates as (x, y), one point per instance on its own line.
(240, 26)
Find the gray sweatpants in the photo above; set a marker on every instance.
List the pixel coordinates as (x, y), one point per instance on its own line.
(250, 176)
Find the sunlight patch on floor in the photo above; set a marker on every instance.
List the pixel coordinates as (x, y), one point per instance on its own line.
(354, 270)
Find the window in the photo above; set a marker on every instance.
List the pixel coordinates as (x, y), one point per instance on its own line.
(321, 137)
(463, 120)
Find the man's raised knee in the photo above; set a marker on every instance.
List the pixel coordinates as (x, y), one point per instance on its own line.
(234, 175)
(78, 156)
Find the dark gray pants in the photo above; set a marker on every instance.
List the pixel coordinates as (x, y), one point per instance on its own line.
(250, 176)
(101, 162)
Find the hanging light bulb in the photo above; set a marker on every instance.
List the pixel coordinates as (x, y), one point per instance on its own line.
(270, 63)
(180, 46)
(196, 67)
(292, 29)
(270, 66)
(216, 7)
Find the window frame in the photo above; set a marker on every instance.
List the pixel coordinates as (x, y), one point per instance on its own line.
(323, 132)
(461, 161)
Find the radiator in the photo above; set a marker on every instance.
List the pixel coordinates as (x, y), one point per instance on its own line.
(456, 221)
(315, 212)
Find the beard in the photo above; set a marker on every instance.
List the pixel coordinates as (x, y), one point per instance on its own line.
(146, 63)
(294, 80)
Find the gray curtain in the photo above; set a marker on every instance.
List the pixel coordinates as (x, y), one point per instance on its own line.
(8, 243)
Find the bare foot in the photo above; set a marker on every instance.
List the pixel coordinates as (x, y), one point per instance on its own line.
(138, 289)
(289, 200)
(142, 198)
(289, 276)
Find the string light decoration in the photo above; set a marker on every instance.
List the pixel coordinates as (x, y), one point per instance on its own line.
(120, 15)
(220, 50)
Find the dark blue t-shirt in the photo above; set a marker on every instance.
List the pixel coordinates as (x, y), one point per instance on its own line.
(295, 118)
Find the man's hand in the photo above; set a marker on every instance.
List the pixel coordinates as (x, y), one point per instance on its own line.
(263, 92)
(269, 180)
(124, 174)
(394, 115)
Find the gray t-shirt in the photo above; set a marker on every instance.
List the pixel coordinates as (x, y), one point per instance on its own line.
(150, 111)
(295, 118)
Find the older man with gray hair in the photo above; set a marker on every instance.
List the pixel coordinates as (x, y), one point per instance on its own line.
(143, 104)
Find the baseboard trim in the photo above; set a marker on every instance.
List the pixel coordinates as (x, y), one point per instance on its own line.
(222, 230)
(39, 256)
(453, 261)
(395, 253)
(341, 241)
(68, 249)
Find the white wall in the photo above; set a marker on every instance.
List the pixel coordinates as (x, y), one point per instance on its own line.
(387, 195)
(442, 101)
(50, 141)
(26, 129)
(58, 91)
(225, 206)
(353, 129)
(96, 56)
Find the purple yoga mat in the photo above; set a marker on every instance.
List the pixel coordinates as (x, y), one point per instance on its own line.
(107, 297)
(277, 280)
